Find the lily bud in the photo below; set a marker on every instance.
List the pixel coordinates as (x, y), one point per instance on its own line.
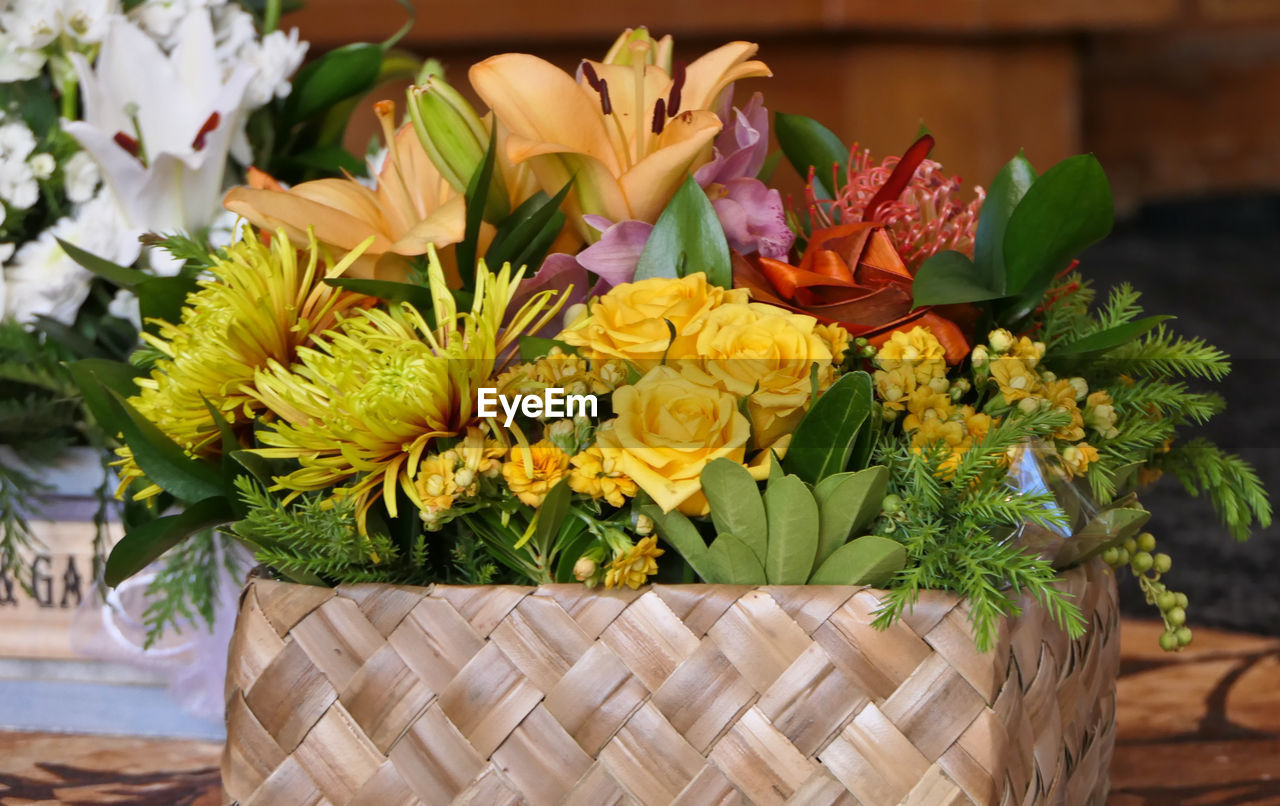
(455, 138)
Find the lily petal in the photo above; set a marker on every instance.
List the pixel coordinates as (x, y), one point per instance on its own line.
(685, 144)
(294, 212)
(712, 72)
(540, 102)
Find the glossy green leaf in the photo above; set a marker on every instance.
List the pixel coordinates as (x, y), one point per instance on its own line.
(340, 74)
(736, 505)
(807, 143)
(163, 461)
(687, 239)
(867, 560)
(1097, 343)
(730, 562)
(143, 545)
(1006, 190)
(164, 297)
(96, 379)
(682, 535)
(847, 502)
(476, 198)
(123, 276)
(551, 514)
(1065, 210)
(949, 277)
(523, 230)
(792, 516)
(824, 440)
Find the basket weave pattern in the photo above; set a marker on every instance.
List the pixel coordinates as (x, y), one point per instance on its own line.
(690, 694)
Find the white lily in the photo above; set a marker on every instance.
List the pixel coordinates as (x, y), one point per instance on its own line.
(160, 126)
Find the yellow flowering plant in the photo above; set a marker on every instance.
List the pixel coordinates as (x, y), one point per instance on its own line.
(684, 399)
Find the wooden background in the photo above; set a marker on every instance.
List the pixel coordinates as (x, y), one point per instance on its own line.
(1176, 97)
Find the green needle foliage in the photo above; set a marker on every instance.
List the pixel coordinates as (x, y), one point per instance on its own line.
(955, 530)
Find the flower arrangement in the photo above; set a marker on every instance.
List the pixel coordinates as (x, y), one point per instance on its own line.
(118, 122)
(580, 338)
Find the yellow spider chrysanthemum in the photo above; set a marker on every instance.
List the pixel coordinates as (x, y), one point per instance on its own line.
(259, 304)
(360, 409)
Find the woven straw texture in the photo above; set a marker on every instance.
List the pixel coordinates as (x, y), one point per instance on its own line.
(688, 694)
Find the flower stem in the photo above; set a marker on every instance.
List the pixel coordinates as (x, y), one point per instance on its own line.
(271, 16)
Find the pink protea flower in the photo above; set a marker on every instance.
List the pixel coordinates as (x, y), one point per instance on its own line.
(925, 218)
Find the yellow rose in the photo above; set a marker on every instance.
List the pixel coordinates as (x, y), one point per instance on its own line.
(666, 430)
(766, 353)
(630, 322)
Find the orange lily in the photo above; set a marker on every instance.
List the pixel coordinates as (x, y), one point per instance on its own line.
(412, 208)
(628, 131)
(851, 275)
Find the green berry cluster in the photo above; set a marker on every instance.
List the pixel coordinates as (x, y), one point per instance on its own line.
(1148, 567)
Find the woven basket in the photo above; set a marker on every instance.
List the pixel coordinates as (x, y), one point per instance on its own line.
(690, 694)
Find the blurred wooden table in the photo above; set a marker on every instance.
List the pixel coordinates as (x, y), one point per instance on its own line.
(1201, 727)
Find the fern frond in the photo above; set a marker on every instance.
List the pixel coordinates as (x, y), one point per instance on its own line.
(1230, 482)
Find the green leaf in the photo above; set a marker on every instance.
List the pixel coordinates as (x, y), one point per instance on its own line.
(534, 347)
(476, 197)
(792, 516)
(524, 229)
(328, 159)
(164, 297)
(868, 560)
(807, 143)
(550, 515)
(1067, 209)
(847, 502)
(75, 342)
(730, 562)
(949, 277)
(96, 378)
(736, 505)
(34, 102)
(1006, 190)
(125, 277)
(141, 546)
(687, 239)
(389, 290)
(163, 461)
(340, 74)
(825, 438)
(1110, 338)
(682, 535)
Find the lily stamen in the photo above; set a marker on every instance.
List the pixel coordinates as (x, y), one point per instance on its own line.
(210, 124)
(677, 84)
(605, 104)
(659, 116)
